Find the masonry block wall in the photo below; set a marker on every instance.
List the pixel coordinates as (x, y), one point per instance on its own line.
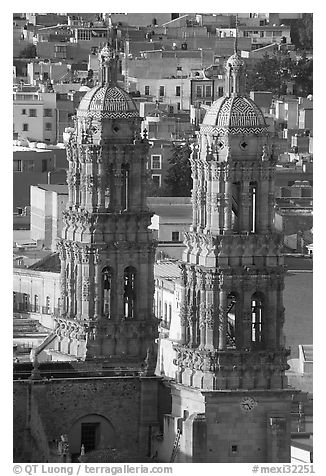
(118, 402)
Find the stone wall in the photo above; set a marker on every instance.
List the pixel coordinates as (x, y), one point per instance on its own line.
(128, 404)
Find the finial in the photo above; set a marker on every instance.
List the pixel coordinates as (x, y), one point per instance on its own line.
(236, 35)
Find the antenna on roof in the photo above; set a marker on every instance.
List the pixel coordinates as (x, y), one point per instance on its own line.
(236, 34)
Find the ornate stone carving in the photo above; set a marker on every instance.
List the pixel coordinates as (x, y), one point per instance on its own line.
(85, 288)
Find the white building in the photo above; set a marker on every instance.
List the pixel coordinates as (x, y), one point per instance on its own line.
(34, 115)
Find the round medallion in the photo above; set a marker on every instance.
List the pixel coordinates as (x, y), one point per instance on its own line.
(247, 404)
(243, 144)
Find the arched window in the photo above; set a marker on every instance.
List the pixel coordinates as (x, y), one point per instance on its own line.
(107, 291)
(257, 311)
(235, 205)
(47, 304)
(36, 303)
(129, 296)
(231, 317)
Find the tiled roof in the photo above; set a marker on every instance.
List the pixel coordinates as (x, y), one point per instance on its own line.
(50, 263)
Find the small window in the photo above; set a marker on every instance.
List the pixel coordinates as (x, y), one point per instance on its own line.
(234, 448)
(179, 68)
(199, 91)
(161, 91)
(255, 32)
(175, 236)
(48, 126)
(157, 180)
(177, 90)
(220, 91)
(146, 90)
(178, 106)
(44, 165)
(25, 127)
(32, 113)
(47, 112)
(156, 162)
(23, 112)
(208, 90)
(17, 166)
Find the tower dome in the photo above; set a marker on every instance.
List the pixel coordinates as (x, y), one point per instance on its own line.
(234, 112)
(107, 102)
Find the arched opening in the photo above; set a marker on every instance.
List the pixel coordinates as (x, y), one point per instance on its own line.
(129, 297)
(257, 314)
(36, 303)
(235, 205)
(107, 291)
(94, 432)
(231, 320)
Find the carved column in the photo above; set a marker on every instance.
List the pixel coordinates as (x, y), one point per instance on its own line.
(97, 285)
(227, 202)
(85, 283)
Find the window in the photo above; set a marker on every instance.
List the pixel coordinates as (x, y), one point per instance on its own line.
(257, 305)
(170, 313)
(44, 165)
(177, 90)
(208, 91)
(179, 68)
(48, 126)
(32, 113)
(175, 236)
(17, 166)
(157, 180)
(47, 304)
(171, 110)
(262, 34)
(36, 303)
(25, 127)
(246, 33)
(23, 112)
(161, 91)
(146, 90)
(29, 165)
(255, 32)
(199, 91)
(178, 106)
(106, 290)
(220, 91)
(47, 112)
(129, 296)
(156, 162)
(25, 302)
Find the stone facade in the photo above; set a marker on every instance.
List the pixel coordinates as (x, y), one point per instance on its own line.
(106, 251)
(230, 401)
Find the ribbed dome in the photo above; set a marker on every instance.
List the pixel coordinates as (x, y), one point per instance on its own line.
(235, 61)
(234, 112)
(107, 102)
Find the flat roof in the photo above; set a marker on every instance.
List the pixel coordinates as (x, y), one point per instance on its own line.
(61, 189)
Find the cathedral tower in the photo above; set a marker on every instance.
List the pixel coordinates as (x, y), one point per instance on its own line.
(227, 355)
(106, 250)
